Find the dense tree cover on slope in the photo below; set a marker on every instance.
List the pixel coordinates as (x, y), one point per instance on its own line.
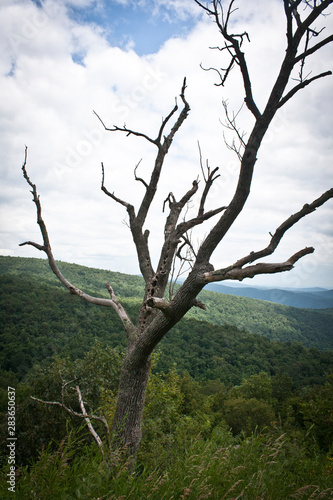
(278, 322)
(267, 437)
(313, 328)
(39, 320)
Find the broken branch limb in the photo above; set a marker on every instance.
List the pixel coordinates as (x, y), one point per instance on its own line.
(281, 230)
(88, 422)
(162, 305)
(139, 178)
(84, 415)
(237, 270)
(238, 274)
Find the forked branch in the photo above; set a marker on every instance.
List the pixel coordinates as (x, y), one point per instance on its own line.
(211, 177)
(46, 247)
(83, 413)
(233, 45)
(237, 271)
(163, 143)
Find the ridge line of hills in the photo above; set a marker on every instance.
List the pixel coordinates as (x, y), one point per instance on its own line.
(236, 338)
(307, 298)
(311, 327)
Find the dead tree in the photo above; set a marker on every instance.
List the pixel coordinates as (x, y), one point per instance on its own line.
(157, 314)
(87, 418)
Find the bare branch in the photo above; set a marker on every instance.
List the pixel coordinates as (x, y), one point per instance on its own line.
(239, 274)
(183, 227)
(126, 130)
(164, 122)
(57, 403)
(235, 42)
(210, 12)
(88, 422)
(64, 385)
(175, 211)
(237, 270)
(171, 199)
(208, 183)
(156, 141)
(303, 26)
(222, 73)
(187, 242)
(140, 240)
(231, 125)
(162, 152)
(283, 228)
(300, 86)
(313, 49)
(262, 122)
(128, 206)
(139, 178)
(127, 323)
(46, 247)
(189, 259)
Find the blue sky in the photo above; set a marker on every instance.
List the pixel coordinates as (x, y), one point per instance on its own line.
(126, 59)
(134, 24)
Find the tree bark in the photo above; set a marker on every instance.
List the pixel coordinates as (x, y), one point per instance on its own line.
(126, 430)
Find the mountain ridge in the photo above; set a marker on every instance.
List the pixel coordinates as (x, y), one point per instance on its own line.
(305, 298)
(311, 327)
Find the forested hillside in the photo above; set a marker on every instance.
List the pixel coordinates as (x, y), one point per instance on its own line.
(313, 328)
(41, 320)
(221, 400)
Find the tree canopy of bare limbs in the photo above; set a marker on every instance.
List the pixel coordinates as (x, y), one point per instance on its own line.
(159, 313)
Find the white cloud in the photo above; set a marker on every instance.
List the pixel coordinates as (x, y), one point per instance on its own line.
(173, 8)
(48, 106)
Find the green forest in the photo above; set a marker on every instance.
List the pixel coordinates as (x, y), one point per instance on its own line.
(239, 402)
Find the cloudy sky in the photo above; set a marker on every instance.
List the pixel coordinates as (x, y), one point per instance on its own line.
(126, 59)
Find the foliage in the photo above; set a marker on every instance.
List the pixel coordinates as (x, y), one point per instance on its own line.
(278, 322)
(29, 291)
(209, 352)
(40, 321)
(40, 426)
(201, 440)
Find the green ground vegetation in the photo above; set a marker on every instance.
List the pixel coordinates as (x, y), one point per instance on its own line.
(229, 413)
(259, 439)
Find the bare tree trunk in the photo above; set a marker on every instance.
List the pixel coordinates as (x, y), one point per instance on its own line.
(127, 424)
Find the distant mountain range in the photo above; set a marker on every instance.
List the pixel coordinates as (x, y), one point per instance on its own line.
(306, 298)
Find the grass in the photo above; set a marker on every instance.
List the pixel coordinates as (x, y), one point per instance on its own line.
(267, 467)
